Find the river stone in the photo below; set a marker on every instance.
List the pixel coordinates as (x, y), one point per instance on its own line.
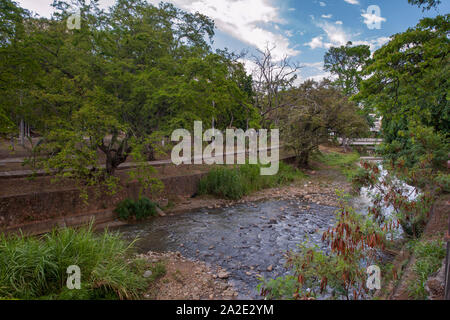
(223, 275)
(160, 212)
(148, 274)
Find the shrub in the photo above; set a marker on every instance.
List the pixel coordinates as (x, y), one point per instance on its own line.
(237, 182)
(389, 190)
(32, 268)
(443, 181)
(224, 183)
(429, 256)
(140, 210)
(352, 244)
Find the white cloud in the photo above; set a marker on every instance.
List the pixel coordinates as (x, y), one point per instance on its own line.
(335, 36)
(335, 33)
(319, 77)
(327, 16)
(44, 8)
(289, 33)
(374, 44)
(339, 22)
(315, 65)
(352, 1)
(250, 21)
(316, 42)
(322, 4)
(250, 66)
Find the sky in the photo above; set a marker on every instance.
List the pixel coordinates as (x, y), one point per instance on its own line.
(301, 30)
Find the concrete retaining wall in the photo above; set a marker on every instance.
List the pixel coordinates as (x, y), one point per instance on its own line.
(42, 211)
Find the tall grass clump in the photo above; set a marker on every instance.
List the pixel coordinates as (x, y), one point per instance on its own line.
(35, 268)
(139, 210)
(235, 183)
(429, 256)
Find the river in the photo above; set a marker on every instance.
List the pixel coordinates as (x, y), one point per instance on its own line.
(248, 240)
(245, 239)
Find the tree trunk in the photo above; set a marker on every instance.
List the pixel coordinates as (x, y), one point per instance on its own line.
(110, 165)
(302, 160)
(115, 157)
(22, 132)
(151, 153)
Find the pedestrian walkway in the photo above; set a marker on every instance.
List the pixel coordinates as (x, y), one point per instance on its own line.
(123, 166)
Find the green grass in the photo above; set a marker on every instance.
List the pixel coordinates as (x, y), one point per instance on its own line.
(139, 210)
(238, 182)
(346, 163)
(35, 268)
(429, 256)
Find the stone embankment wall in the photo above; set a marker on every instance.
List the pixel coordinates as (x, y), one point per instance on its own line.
(40, 212)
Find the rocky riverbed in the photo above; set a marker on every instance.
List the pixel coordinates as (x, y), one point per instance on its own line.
(234, 243)
(246, 240)
(188, 279)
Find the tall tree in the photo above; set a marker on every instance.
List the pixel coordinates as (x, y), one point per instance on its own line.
(273, 78)
(426, 4)
(408, 84)
(346, 63)
(17, 68)
(122, 80)
(320, 110)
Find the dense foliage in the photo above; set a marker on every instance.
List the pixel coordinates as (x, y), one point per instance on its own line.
(234, 183)
(32, 268)
(338, 273)
(139, 210)
(408, 83)
(429, 255)
(426, 4)
(346, 63)
(112, 89)
(321, 113)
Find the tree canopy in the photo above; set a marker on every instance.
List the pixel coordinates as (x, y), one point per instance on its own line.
(126, 78)
(426, 4)
(346, 63)
(320, 112)
(407, 83)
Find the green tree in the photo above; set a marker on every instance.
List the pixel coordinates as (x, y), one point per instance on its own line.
(347, 63)
(17, 67)
(408, 85)
(426, 4)
(111, 89)
(320, 110)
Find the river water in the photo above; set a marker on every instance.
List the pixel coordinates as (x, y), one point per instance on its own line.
(248, 240)
(245, 239)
